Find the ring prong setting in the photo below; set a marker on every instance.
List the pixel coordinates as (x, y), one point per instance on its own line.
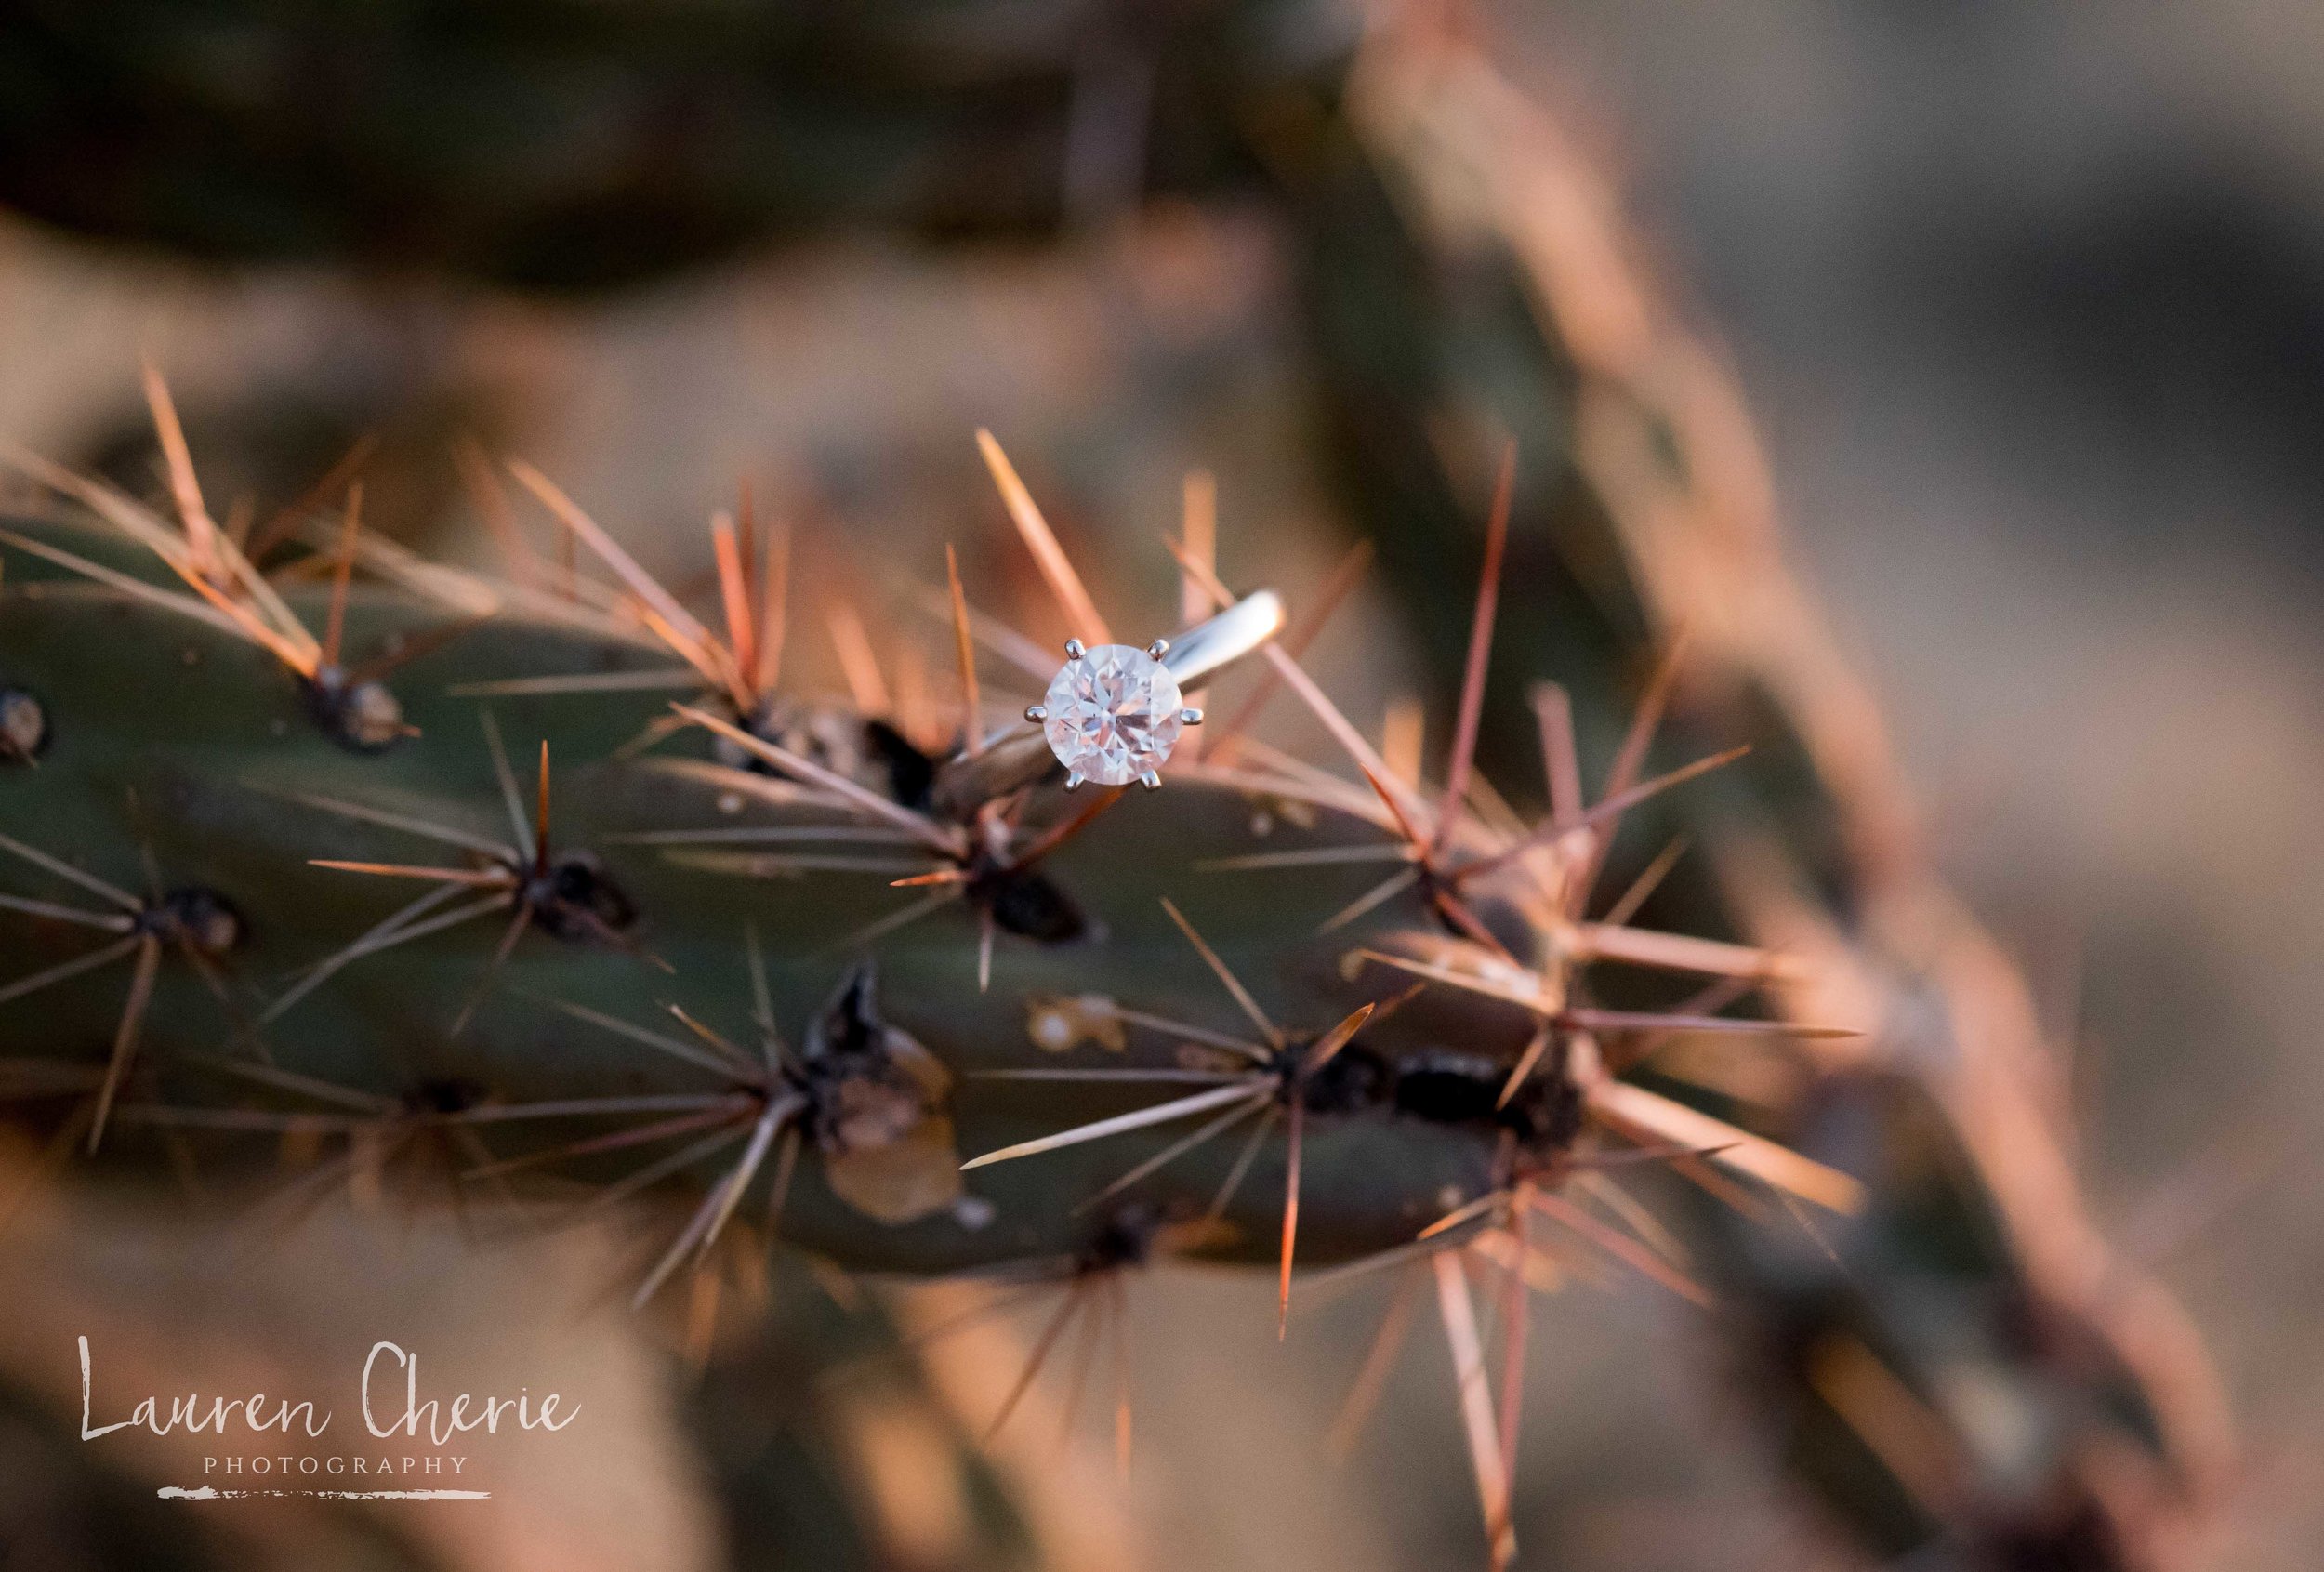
(1114, 712)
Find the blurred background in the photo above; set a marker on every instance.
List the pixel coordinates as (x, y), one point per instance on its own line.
(2027, 302)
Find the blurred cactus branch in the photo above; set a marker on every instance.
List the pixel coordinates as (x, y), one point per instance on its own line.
(1504, 297)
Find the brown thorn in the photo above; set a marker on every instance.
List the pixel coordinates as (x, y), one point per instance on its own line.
(1633, 1213)
(1318, 703)
(1198, 528)
(1290, 1214)
(1692, 1167)
(1055, 836)
(1403, 735)
(481, 877)
(1120, 1295)
(713, 1038)
(1090, 1329)
(540, 816)
(734, 596)
(617, 1141)
(1073, 598)
(413, 648)
(785, 1165)
(678, 627)
(774, 591)
(806, 770)
(125, 1034)
(1631, 756)
(1646, 1116)
(1517, 1326)
(1295, 642)
(187, 490)
(1234, 985)
(941, 876)
(342, 572)
(284, 519)
(1455, 910)
(880, 927)
(130, 904)
(1561, 764)
(858, 660)
(1235, 1115)
(1406, 828)
(1621, 1245)
(1325, 1049)
(1605, 813)
(973, 714)
(508, 938)
(1371, 1379)
(1591, 1020)
(491, 501)
(1645, 885)
(1243, 1160)
(1386, 890)
(1621, 801)
(1480, 654)
(747, 539)
(208, 606)
(1034, 1360)
(1458, 1313)
(1526, 1063)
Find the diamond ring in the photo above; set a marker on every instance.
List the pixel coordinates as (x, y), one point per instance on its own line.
(1113, 713)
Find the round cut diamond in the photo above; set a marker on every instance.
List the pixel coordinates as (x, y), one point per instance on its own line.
(1112, 715)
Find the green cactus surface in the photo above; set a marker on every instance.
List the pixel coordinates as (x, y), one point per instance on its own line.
(482, 920)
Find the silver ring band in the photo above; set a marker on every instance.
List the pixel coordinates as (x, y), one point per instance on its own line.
(1232, 634)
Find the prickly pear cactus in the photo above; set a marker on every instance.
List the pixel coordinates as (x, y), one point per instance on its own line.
(313, 869)
(1962, 1372)
(498, 920)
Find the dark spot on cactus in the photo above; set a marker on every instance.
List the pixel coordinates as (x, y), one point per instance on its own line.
(867, 1083)
(874, 754)
(23, 727)
(362, 717)
(577, 899)
(446, 1094)
(203, 919)
(1511, 928)
(1545, 1114)
(911, 774)
(1124, 1237)
(1355, 1078)
(1449, 1088)
(870, 753)
(849, 1026)
(1028, 904)
(1462, 1088)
